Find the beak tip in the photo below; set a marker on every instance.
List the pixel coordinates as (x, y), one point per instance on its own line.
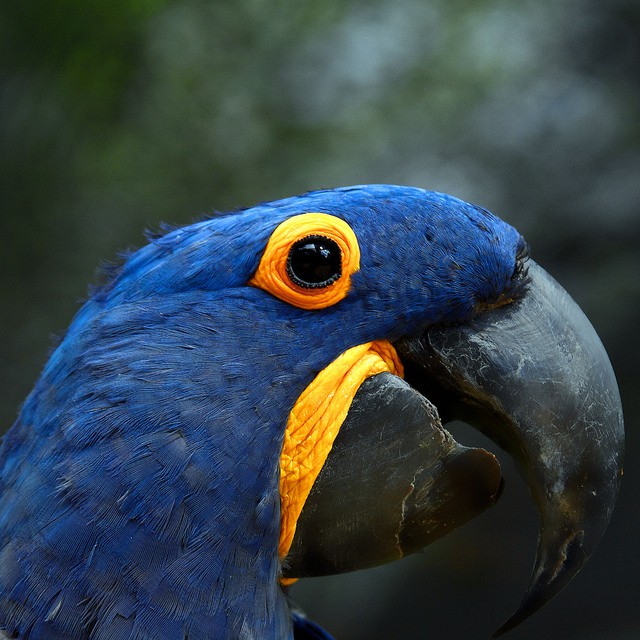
(557, 564)
(533, 600)
(512, 622)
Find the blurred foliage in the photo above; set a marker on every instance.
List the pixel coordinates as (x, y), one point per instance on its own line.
(85, 47)
(117, 115)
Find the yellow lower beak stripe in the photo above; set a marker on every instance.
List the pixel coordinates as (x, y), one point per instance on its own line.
(314, 423)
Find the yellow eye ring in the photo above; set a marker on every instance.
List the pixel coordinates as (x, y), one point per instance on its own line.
(309, 260)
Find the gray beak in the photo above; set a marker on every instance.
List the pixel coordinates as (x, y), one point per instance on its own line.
(533, 376)
(536, 379)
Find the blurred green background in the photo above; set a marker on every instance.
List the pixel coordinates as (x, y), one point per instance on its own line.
(118, 114)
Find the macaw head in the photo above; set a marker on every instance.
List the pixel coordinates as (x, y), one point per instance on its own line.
(260, 396)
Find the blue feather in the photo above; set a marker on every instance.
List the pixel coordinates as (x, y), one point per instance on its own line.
(140, 481)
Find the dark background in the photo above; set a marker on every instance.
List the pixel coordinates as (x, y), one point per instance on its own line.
(118, 114)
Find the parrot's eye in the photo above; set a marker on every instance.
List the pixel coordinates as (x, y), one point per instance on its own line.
(309, 260)
(314, 261)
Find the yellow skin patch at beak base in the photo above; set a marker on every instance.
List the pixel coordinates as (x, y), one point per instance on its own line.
(314, 423)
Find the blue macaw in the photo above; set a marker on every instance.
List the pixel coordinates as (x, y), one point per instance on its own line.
(259, 397)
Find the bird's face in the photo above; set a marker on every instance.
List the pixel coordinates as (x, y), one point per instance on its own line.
(279, 378)
(448, 285)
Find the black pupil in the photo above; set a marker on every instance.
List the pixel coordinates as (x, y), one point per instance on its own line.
(314, 261)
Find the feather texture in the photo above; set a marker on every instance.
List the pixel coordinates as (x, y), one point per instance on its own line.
(140, 482)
